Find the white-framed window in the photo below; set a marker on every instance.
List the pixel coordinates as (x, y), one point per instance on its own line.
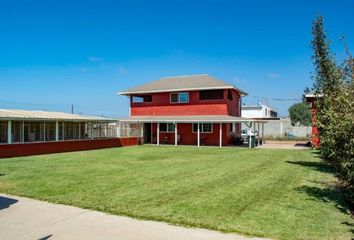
(167, 127)
(142, 99)
(181, 97)
(203, 127)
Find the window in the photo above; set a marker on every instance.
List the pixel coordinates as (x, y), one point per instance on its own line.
(182, 97)
(167, 127)
(211, 94)
(203, 127)
(229, 95)
(142, 99)
(3, 132)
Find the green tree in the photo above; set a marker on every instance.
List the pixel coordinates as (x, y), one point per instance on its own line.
(306, 91)
(300, 113)
(334, 89)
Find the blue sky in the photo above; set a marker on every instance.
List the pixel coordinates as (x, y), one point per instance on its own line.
(57, 53)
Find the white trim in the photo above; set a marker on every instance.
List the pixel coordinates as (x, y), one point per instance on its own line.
(242, 93)
(212, 127)
(56, 131)
(198, 134)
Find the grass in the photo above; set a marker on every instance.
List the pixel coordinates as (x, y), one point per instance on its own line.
(281, 194)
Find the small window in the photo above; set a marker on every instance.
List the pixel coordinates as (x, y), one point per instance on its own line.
(203, 127)
(167, 127)
(182, 97)
(229, 95)
(211, 94)
(142, 99)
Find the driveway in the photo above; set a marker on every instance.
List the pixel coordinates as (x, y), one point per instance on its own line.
(23, 218)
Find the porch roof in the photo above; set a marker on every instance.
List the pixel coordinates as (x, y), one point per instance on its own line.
(26, 115)
(190, 119)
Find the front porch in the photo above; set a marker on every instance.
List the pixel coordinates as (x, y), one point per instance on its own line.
(194, 130)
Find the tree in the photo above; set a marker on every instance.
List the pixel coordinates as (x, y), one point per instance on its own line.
(334, 91)
(300, 113)
(306, 91)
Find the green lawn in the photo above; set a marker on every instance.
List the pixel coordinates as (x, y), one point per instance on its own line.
(282, 194)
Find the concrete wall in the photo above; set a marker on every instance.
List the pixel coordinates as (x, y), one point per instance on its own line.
(283, 128)
(27, 149)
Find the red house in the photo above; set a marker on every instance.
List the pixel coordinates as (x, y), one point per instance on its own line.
(187, 110)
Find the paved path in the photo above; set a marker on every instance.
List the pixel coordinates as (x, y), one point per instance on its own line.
(23, 218)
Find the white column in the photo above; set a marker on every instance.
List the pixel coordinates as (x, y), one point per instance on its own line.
(56, 131)
(142, 130)
(79, 131)
(118, 129)
(258, 134)
(175, 134)
(220, 135)
(263, 133)
(233, 127)
(158, 134)
(9, 132)
(198, 135)
(249, 136)
(44, 134)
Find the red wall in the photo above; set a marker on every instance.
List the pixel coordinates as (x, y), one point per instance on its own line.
(161, 106)
(26, 149)
(188, 137)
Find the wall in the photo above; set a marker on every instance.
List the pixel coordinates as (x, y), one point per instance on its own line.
(188, 137)
(282, 127)
(26, 149)
(161, 106)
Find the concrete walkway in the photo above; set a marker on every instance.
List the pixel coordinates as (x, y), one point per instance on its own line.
(23, 218)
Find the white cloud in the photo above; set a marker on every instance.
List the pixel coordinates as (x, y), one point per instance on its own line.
(95, 59)
(273, 75)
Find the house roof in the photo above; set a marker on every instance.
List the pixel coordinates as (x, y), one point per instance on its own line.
(181, 83)
(188, 119)
(26, 115)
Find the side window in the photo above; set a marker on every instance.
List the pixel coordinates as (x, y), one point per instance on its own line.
(182, 97)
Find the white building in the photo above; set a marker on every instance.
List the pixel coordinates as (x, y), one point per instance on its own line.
(258, 111)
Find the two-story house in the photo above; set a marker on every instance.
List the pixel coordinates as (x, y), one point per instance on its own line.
(188, 110)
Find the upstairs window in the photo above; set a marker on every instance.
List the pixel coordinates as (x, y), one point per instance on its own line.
(182, 97)
(142, 99)
(211, 94)
(167, 127)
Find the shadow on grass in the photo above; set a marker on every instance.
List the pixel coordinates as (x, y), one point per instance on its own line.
(319, 166)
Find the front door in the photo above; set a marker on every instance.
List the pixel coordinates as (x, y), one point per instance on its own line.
(147, 132)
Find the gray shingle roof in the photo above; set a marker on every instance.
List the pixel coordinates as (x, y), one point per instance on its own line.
(181, 83)
(26, 115)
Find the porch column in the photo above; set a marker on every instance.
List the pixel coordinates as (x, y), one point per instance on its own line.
(198, 135)
(220, 135)
(79, 131)
(91, 130)
(258, 134)
(176, 134)
(158, 134)
(63, 131)
(249, 136)
(263, 133)
(142, 130)
(9, 132)
(56, 131)
(118, 129)
(233, 127)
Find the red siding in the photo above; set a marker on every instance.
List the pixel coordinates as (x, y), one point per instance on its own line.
(161, 106)
(188, 137)
(26, 149)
